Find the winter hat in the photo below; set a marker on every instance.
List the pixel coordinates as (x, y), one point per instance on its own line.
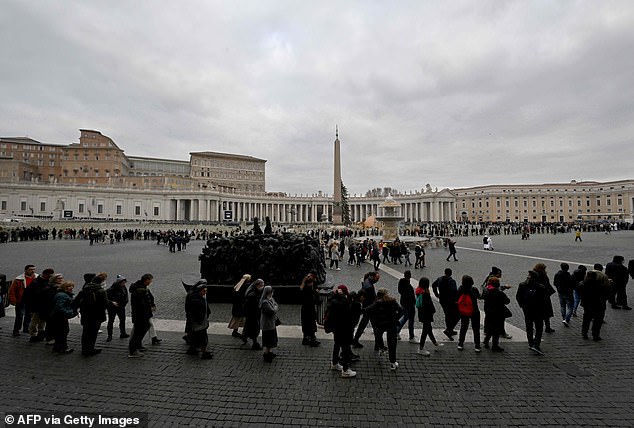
(119, 279)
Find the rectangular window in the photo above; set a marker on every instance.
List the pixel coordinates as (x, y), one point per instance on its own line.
(4, 206)
(99, 209)
(42, 206)
(119, 209)
(23, 206)
(156, 211)
(137, 210)
(80, 208)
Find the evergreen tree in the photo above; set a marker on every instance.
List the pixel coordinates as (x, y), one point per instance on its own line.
(345, 207)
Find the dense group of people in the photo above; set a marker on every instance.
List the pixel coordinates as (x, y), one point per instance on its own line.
(44, 303)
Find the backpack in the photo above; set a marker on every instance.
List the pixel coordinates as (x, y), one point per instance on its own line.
(465, 305)
(419, 301)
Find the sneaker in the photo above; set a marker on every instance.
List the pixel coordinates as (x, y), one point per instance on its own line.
(135, 354)
(348, 373)
(314, 343)
(414, 341)
(448, 334)
(536, 350)
(354, 358)
(235, 334)
(124, 336)
(423, 352)
(50, 342)
(627, 308)
(393, 366)
(564, 322)
(356, 344)
(497, 349)
(336, 367)
(477, 349)
(382, 352)
(460, 347)
(549, 330)
(615, 306)
(156, 341)
(506, 336)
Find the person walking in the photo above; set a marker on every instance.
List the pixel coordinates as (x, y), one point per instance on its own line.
(408, 303)
(197, 312)
(34, 300)
(595, 291)
(386, 313)
(269, 309)
(619, 275)
(252, 314)
(468, 296)
(117, 301)
(452, 249)
(578, 276)
(308, 311)
(426, 311)
(565, 286)
(237, 307)
(141, 305)
(446, 291)
(369, 290)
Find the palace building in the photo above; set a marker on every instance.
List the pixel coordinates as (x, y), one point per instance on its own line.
(95, 179)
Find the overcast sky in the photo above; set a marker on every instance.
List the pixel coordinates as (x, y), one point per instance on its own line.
(450, 93)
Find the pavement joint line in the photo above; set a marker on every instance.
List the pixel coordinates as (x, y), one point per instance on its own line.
(571, 263)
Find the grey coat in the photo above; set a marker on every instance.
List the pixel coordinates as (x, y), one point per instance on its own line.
(269, 308)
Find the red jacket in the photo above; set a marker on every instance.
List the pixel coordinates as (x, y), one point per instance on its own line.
(16, 291)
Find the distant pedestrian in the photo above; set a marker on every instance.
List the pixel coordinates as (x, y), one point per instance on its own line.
(340, 319)
(452, 249)
(369, 289)
(532, 296)
(565, 286)
(408, 303)
(92, 302)
(141, 305)
(269, 320)
(197, 312)
(386, 313)
(540, 268)
(117, 302)
(308, 312)
(16, 292)
(578, 235)
(578, 276)
(618, 274)
(62, 311)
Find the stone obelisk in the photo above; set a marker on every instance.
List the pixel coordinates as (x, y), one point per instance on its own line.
(337, 218)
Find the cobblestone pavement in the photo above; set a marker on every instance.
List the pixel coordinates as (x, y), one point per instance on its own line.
(577, 382)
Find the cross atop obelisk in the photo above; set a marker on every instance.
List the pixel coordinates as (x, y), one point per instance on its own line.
(337, 217)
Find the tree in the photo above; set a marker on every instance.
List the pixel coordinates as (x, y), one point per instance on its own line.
(345, 207)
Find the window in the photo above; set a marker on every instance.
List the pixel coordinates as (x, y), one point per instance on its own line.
(42, 206)
(23, 206)
(119, 209)
(156, 211)
(100, 209)
(137, 210)
(3, 205)
(80, 208)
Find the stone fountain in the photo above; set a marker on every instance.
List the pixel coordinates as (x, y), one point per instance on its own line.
(390, 216)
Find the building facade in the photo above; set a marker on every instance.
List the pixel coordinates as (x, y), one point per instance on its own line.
(95, 179)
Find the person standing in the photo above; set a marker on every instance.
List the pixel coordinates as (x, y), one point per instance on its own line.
(468, 296)
(141, 305)
(542, 277)
(340, 318)
(92, 302)
(532, 296)
(62, 311)
(34, 300)
(446, 290)
(578, 276)
(197, 312)
(565, 289)
(595, 291)
(619, 275)
(117, 301)
(408, 303)
(252, 314)
(495, 302)
(308, 312)
(16, 292)
(268, 321)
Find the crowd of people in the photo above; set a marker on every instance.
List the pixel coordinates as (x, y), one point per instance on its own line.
(44, 303)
